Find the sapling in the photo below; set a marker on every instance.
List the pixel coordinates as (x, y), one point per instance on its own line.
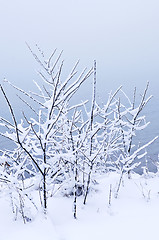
(110, 196)
(128, 122)
(40, 137)
(91, 161)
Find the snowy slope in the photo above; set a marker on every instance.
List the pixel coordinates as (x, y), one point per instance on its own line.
(133, 215)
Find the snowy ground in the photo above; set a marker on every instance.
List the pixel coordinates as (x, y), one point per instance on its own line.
(133, 215)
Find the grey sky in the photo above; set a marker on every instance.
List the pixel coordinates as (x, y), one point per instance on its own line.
(122, 35)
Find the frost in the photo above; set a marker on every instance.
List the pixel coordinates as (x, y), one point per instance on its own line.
(64, 147)
(142, 155)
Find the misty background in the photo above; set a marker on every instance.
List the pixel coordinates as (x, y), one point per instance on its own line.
(123, 37)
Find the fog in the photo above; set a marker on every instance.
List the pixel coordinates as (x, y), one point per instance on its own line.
(123, 37)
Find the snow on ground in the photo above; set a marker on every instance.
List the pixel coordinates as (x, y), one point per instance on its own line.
(133, 215)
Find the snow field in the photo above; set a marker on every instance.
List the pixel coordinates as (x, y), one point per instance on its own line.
(133, 215)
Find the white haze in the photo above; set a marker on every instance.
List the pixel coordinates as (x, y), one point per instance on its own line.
(122, 36)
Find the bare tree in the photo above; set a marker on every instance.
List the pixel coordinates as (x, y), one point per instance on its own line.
(41, 139)
(128, 122)
(67, 144)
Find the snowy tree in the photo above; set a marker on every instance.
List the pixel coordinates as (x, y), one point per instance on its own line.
(128, 120)
(66, 145)
(40, 138)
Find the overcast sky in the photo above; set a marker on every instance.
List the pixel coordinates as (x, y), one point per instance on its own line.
(122, 35)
